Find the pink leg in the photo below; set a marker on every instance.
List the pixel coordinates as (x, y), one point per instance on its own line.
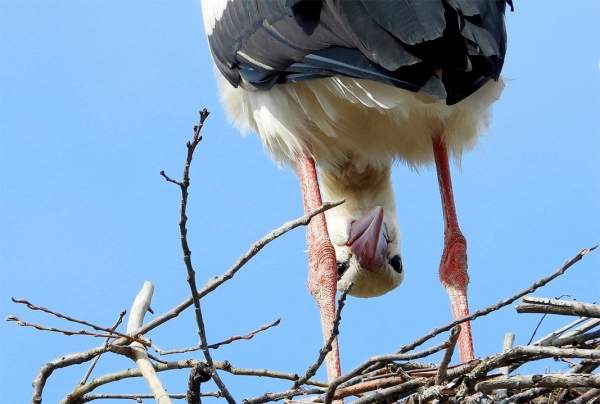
(322, 275)
(453, 265)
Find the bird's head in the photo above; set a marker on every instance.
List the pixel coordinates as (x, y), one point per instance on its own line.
(367, 248)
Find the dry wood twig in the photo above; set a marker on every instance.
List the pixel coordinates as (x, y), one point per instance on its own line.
(586, 397)
(509, 340)
(395, 392)
(68, 333)
(502, 303)
(90, 369)
(548, 339)
(229, 340)
(136, 319)
(268, 397)
(557, 306)
(199, 374)
(531, 351)
(225, 366)
(542, 380)
(441, 375)
(107, 330)
(184, 185)
(136, 397)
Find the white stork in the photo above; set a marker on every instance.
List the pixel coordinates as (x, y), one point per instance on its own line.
(350, 86)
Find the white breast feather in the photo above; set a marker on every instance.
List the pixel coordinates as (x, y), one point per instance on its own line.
(340, 116)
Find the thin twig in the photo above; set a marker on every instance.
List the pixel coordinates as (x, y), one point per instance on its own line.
(136, 397)
(537, 327)
(312, 369)
(229, 340)
(441, 375)
(184, 185)
(68, 333)
(139, 397)
(502, 303)
(106, 342)
(107, 330)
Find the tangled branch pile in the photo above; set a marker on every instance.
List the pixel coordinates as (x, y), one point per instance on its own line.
(397, 377)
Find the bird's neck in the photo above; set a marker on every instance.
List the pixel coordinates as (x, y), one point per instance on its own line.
(362, 188)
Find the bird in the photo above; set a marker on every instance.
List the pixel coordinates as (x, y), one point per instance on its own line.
(340, 90)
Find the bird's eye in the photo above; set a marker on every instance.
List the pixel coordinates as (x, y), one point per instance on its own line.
(342, 267)
(396, 263)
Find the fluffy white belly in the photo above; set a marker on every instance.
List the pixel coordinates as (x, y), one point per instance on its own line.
(338, 119)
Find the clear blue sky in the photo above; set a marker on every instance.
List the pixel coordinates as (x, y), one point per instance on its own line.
(97, 97)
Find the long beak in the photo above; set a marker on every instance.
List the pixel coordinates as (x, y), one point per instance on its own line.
(367, 241)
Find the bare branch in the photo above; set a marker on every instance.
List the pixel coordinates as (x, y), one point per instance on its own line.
(184, 185)
(136, 397)
(136, 319)
(587, 397)
(547, 340)
(556, 306)
(441, 375)
(527, 395)
(169, 179)
(576, 339)
(107, 330)
(509, 340)
(199, 374)
(369, 385)
(545, 380)
(139, 397)
(68, 333)
(106, 342)
(225, 366)
(64, 361)
(530, 351)
(268, 397)
(502, 303)
(229, 340)
(312, 369)
(395, 392)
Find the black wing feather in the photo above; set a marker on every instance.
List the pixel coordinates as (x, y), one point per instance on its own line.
(445, 48)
